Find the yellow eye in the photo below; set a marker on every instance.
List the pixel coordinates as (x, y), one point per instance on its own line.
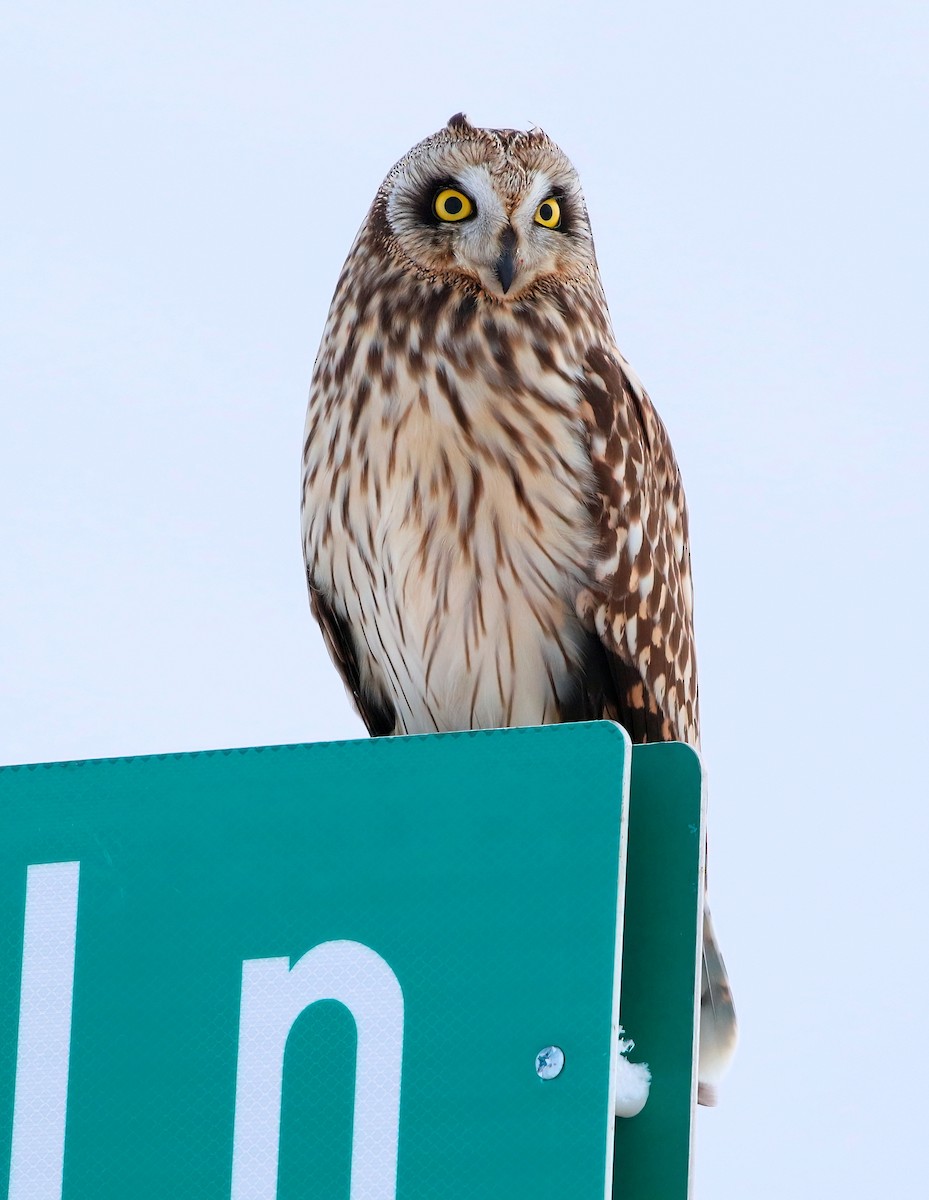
(549, 213)
(452, 205)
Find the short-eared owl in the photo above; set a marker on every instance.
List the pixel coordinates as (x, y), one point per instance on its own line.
(494, 524)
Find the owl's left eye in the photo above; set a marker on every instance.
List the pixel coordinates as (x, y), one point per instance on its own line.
(452, 205)
(548, 213)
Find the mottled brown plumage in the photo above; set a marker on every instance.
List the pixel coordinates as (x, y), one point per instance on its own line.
(494, 524)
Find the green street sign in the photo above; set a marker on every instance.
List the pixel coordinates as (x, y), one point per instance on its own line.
(662, 944)
(379, 970)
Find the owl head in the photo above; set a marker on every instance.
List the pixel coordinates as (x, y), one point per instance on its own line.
(499, 211)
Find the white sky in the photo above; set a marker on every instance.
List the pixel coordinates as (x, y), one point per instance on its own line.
(182, 183)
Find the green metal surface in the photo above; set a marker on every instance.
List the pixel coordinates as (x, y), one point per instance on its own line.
(483, 869)
(658, 1005)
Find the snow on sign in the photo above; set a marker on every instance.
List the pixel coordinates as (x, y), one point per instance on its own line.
(379, 970)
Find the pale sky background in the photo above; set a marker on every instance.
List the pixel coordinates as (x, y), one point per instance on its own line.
(181, 185)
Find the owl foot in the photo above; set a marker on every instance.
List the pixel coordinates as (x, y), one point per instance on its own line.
(632, 1080)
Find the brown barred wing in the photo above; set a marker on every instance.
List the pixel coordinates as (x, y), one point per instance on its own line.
(378, 715)
(639, 604)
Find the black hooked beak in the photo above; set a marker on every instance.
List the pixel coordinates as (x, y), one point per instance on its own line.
(505, 265)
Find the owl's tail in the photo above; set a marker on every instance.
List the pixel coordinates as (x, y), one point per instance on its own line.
(718, 1027)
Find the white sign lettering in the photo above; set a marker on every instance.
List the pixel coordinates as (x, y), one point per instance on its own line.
(44, 1039)
(274, 994)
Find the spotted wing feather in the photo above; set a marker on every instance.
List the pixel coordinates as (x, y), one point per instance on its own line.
(640, 603)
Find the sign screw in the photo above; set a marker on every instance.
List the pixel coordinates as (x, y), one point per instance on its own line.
(549, 1062)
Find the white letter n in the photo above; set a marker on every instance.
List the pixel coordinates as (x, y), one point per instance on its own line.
(274, 994)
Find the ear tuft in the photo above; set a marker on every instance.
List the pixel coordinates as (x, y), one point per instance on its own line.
(459, 121)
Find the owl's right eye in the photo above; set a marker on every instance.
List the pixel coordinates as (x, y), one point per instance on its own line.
(452, 205)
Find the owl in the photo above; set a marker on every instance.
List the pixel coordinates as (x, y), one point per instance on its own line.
(494, 524)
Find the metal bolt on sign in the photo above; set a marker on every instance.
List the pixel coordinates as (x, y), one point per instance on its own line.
(549, 1063)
